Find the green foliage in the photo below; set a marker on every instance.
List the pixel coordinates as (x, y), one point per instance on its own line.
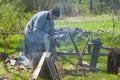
(13, 18)
(12, 44)
(15, 42)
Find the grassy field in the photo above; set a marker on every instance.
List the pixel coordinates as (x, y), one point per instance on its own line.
(14, 74)
(99, 75)
(93, 24)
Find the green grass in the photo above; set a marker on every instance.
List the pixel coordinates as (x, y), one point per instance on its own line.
(13, 74)
(70, 75)
(100, 75)
(90, 26)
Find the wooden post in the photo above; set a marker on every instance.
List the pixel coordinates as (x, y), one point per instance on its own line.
(95, 53)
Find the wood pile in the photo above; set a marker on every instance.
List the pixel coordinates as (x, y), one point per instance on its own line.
(113, 63)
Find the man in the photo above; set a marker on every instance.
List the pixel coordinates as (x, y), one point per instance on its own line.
(38, 29)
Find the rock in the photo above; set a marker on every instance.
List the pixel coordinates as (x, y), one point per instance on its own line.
(12, 62)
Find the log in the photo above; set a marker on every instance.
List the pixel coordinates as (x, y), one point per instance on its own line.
(59, 69)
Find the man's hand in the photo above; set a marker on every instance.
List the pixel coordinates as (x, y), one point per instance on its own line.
(57, 43)
(53, 41)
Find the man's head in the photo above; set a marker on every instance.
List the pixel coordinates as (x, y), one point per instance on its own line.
(55, 13)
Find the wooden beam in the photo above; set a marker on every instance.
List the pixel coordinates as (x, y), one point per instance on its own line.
(11, 32)
(39, 66)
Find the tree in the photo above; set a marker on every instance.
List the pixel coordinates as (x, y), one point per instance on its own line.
(91, 5)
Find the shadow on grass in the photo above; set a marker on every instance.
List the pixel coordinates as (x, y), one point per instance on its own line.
(81, 73)
(67, 60)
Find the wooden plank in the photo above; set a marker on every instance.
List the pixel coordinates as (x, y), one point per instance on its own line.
(50, 62)
(70, 53)
(11, 32)
(53, 68)
(39, 66)
(50, 68)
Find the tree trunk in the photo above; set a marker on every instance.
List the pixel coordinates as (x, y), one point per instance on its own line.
(91, 5)
(100, 1)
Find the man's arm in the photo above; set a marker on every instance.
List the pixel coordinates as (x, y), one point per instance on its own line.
(38, 27)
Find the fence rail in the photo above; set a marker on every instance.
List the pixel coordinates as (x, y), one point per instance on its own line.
(11, 33)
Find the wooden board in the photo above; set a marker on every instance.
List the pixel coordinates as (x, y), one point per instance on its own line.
(52, 68)
(39, 66)
(59, 69)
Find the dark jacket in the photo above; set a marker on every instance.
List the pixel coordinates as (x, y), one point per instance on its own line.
(39, 27)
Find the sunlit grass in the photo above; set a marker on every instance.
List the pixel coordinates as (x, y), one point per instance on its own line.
(99, 75)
